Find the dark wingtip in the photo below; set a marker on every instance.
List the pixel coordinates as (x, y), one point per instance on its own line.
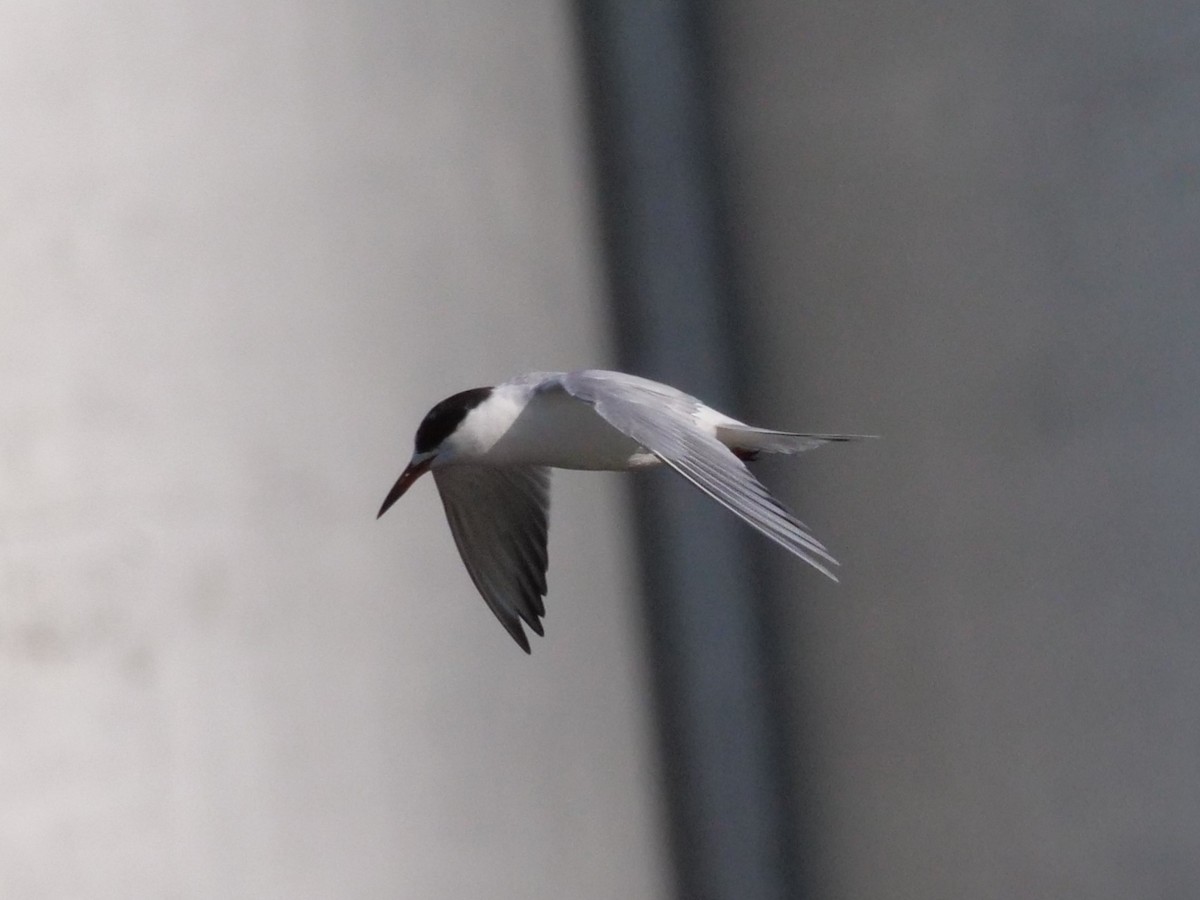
(518, 632)
(522, 640)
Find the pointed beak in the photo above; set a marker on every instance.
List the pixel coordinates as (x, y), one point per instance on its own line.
(414, 471)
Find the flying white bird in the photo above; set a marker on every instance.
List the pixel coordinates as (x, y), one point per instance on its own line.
(491, 450)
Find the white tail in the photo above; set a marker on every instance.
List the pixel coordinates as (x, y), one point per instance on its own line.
(746, 440)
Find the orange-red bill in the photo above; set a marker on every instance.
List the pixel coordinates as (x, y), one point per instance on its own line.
(411, 473)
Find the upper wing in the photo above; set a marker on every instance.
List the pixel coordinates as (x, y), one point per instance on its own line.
(499, 517)
(661, 419)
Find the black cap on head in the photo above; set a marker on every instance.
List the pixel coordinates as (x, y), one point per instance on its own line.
(440, 421)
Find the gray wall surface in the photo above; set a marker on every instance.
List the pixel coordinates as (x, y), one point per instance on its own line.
(243, 248)
(975, 230)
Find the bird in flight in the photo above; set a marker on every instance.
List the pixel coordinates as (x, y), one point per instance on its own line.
(491, 450)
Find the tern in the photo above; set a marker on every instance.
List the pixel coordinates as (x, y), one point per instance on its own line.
(491, 450)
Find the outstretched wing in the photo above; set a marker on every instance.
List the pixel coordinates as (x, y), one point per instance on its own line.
(660, 418)
(499, 519)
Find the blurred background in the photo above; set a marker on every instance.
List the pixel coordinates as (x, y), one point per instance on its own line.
(245, 247)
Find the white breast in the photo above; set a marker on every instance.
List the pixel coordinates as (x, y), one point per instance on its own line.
(514, 427)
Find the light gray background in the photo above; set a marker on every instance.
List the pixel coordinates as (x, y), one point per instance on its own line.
(243, 248)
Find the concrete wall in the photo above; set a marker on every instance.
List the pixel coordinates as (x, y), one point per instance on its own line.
(975, 230)
(243, 248)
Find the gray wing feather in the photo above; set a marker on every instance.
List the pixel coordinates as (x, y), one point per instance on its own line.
(499, 518)
(661, 420)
